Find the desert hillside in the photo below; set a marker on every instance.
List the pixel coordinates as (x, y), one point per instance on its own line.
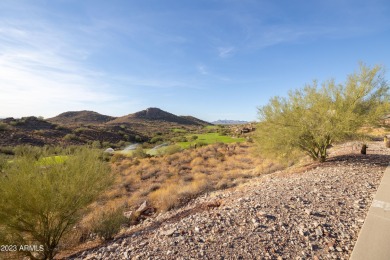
(155, 114)
(86, 127)
(314, 212)
(80, 117)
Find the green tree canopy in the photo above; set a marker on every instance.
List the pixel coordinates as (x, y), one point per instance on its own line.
(41, 200)
(310, 119)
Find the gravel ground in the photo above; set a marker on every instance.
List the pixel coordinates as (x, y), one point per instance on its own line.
(313, 214)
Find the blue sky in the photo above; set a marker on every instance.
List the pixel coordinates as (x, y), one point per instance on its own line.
(213, 59)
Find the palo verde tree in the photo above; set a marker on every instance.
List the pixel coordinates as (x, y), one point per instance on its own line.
(41, 199)
(309, 120)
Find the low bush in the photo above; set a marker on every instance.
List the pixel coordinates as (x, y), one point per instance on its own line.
(80, 129)
(3, 126)
(108, 224)
(70, 137)
(139, 152)
(156, 139)
(117, 157)
(170, 150)
(201, 143)
(48, 200)
(96, 144)
(28, 151)
(60, 127)
(7, 150)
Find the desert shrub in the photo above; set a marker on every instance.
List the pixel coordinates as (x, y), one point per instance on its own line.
(3, 126)
(188, 178)
(165, 198)
(39, 132)
(180, 139)
(171, 149)
(139, 152)
(60, 127)
(172, 158)
(197, 161)
(80, 129)
(224, 184)
(117, 157)
(156, 139)
(154, 187)
(249, 139)
(309, 120)
(201, 143)
(7, 150)
(148, 172)
(28, 151)
(96, 144)
(223, 131)
(70, 137)
(121, 143)
(108, 224)
(106, 144)
(105, 157)
(48, 200)
(3, 162)
(17, 122)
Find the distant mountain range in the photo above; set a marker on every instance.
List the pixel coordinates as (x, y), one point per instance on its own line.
(229, 122)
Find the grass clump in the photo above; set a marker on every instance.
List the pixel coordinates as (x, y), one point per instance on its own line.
(109, 223)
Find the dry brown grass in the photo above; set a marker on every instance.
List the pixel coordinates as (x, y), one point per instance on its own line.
(173, 180)
(379, 132)
(169, 181)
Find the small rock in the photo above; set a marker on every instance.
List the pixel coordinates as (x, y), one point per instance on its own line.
(319, 231)
(261, 214)
(128, 214)
(168, 232)
(142, 208)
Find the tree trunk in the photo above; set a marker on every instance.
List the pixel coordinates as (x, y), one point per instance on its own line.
(364, 149)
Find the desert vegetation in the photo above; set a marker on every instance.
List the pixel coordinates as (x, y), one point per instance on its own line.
(72, 205)
(42, 197)
(85, 194)
(188, 173)
(169, 181)
(311, 119)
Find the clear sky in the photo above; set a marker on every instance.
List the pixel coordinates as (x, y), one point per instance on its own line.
(213, 59)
